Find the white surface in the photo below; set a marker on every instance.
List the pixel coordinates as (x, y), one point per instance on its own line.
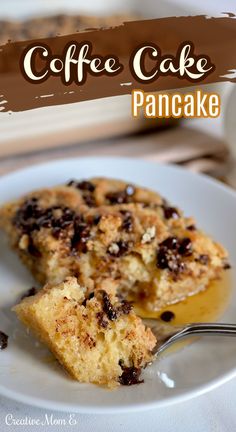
(197, 368)
(213, 412)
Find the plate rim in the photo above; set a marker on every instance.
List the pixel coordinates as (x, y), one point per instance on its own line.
(222, 186)
(76, 408)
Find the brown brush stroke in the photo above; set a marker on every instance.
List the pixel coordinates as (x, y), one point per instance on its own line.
(215, 37)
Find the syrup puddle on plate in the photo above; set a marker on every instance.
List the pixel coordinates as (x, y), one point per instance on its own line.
(206, 306)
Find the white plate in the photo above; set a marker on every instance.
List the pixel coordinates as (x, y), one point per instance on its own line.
(25, 375)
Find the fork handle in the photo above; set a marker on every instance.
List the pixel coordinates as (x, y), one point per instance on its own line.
(216, 329)
(210, 328)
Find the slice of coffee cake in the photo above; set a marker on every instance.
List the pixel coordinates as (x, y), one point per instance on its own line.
(105, 231)
(98, 339)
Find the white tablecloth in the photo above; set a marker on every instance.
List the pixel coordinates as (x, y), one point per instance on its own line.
(212, 412)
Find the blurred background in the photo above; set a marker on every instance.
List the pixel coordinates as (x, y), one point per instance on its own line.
(105, 126)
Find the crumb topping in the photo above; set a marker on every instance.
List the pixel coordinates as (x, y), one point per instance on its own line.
(149, 235)
(114, 249)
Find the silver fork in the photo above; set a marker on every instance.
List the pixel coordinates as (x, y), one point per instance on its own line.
(167, 334)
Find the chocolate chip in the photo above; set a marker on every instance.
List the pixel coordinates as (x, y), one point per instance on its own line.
(90, 296)
(86, 186)
(89, 200)
(127, 223)
(101, 321)
(191, 228)
(185, 247)
(203, 259)
(116, 197)
(170, 261)
(71, 183)
(170, 253)
(227, 266)
(162, 259)
(25, 216)
(145, 205)
(3, 340)
(167, 316)
(108, 308)
(170, 212)
(87, 189)
(61, 223)
(57, 233)
(119, 248)
(45, 222)
(121, 197)
(170, 243)
(96, 219)
(33, 250)
(124, 247)
(31, 217)
(82, 185)
(31, 292)
(125, 307)
(111, 311)
(130, 376)
(80, 237)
